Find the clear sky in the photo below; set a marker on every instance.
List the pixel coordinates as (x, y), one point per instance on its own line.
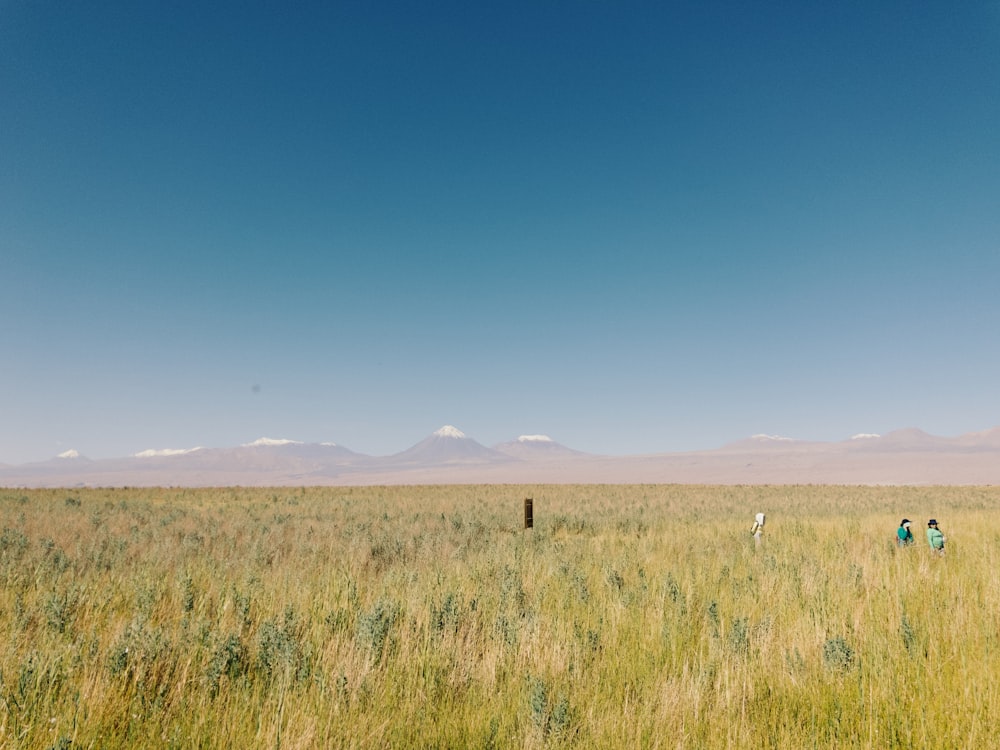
(632, 226)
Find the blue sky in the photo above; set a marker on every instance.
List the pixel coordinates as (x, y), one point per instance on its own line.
(633, 226)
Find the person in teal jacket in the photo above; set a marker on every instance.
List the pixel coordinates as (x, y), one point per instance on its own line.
(904, 537)
(934, 537)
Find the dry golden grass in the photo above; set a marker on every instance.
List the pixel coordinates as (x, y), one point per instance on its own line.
(630, 616)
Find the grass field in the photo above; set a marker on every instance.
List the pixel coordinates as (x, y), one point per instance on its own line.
(629, 616)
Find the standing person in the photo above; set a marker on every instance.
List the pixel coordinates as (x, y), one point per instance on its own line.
(758, 528)
(935, 538)
(904, 537)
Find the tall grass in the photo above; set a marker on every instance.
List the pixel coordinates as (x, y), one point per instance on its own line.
(630, 616)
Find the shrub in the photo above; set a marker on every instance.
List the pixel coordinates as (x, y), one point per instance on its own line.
(837, 655)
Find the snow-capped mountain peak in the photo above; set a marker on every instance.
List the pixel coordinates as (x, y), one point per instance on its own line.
(266, 441)
(153, 453)
(449, 432)
(534, 439)
(865, 436)
(762, 438)
(71, 453)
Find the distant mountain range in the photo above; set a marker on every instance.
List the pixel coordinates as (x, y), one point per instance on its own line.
(448, 456)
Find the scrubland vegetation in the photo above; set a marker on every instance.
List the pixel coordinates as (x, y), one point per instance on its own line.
(629, 616)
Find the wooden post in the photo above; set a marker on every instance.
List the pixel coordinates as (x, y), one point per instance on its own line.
(529, 520)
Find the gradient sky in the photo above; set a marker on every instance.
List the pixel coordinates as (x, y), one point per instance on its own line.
(632, 226)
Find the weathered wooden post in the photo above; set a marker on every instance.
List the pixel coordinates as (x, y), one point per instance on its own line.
(529, 520)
